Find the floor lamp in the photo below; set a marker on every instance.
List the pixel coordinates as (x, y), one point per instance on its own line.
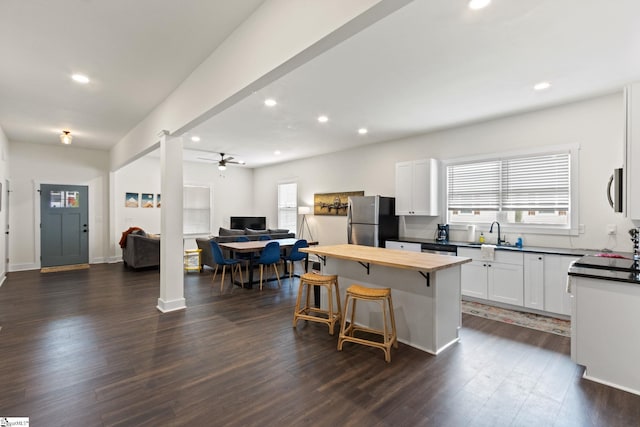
(304, 211)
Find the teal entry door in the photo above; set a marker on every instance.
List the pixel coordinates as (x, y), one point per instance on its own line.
(64, 225)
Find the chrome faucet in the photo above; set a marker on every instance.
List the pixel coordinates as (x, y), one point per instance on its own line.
(499, 241)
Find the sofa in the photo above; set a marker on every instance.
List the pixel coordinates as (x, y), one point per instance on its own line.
(226, 235)
(141, 250)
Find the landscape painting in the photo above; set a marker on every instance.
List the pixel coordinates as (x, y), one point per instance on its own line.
(147, 200)
(131, 200)
(333, 203)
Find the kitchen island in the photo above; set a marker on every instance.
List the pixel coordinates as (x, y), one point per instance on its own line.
(605, 320)
(425, 289)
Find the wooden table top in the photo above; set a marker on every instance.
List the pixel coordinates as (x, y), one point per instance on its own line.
(407, 260)
(258, 245)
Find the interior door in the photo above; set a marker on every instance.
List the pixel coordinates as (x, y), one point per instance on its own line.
(64, 230)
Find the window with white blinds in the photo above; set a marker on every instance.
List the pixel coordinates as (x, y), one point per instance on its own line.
(474, 186)
(287, 206)
(539, 183)
(196, 213)
(531, 189)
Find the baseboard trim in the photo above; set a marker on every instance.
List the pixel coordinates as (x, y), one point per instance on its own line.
(23, 267)
(167, 306)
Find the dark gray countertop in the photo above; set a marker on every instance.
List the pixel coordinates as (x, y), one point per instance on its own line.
(433, 245)
(596, 273)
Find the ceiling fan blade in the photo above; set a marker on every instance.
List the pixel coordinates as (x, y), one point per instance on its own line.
(226, 159)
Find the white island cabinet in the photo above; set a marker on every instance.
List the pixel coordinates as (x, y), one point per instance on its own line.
(604, 331)
(425, 289)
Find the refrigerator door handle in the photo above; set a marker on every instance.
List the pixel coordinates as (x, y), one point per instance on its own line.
(349, 217)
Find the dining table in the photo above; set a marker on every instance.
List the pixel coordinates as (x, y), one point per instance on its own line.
(256, 246)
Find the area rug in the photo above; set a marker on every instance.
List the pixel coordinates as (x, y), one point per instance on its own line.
(527, 320)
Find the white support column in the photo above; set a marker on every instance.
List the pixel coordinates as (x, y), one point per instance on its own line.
(171, 237)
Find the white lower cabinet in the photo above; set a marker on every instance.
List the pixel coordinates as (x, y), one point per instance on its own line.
(497, 280)
(556, 298)
(473, 277)
(505, 282)
(531, 280)
(534, 281)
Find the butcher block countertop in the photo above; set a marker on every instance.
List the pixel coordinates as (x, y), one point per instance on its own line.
(407, 260)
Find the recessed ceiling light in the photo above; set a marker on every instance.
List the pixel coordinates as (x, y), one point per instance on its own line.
(362, 131)
(478, 4)
(66, 137)
(270, 102)
(277, 152)
(323, 119)
(542, 86)
(195, 138)
(80, 78)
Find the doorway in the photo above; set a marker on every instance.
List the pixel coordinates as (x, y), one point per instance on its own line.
(64, 230)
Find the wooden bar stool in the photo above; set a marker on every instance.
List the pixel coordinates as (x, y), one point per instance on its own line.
(308, 281)
(381, 296)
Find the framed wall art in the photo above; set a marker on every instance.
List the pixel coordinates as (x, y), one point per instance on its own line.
(334, 204)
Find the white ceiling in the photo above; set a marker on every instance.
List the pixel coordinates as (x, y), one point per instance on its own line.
(433, 64)
(136, 52)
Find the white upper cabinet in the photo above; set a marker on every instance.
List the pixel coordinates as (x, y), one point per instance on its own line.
(417, 187)
(632, 158)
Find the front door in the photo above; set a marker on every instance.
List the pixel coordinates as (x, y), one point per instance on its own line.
(64, 230)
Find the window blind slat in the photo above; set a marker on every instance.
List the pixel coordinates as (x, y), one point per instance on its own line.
(474, 186)
(533, 183)
(536, 183)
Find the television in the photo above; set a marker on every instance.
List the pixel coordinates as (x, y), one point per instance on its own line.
(253, 222)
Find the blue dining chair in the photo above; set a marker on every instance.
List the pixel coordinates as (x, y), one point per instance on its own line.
(270, 255)
(264, 237)
(219, 258)
(296, 255)
(246, 257)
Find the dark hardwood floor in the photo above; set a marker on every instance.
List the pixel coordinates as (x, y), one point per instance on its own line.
(89, 348)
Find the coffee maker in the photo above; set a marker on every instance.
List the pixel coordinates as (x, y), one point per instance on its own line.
(443, 233)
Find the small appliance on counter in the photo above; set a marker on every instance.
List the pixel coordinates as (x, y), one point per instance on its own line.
(443, 233)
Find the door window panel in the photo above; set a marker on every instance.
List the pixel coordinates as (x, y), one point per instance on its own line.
(64, 199)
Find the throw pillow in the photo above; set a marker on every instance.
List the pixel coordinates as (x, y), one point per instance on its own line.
(278, 231)
(230, 232)
(139, 232)
(251, 232)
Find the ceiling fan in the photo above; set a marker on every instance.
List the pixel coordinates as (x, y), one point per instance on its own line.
(224, 161)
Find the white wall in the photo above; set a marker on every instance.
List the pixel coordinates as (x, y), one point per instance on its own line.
(596, 125)
(232, 194)
(4, 205)
(35, 164)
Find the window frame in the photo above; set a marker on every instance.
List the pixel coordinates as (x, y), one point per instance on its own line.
(209, 188)
(293, 209)
(572, 229)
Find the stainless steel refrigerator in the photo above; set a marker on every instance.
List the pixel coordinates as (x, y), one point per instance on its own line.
(371, 220)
